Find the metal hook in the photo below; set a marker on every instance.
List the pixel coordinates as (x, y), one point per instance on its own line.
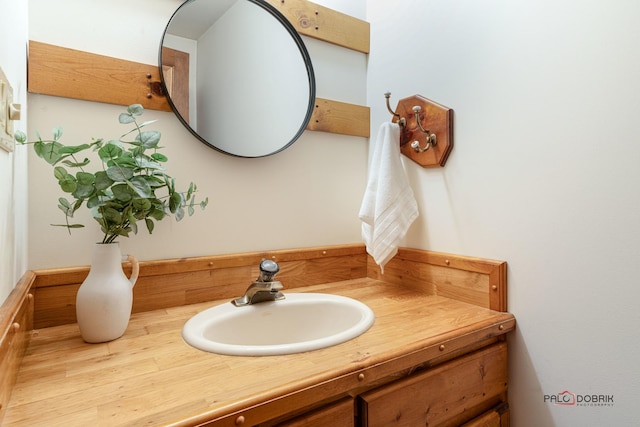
(155, 87)
(401, 120)
(431, 141)
(430, 137)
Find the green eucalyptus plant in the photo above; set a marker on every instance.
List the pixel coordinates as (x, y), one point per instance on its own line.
(130, 186)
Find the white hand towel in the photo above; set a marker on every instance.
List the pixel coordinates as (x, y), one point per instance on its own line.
(388, 207)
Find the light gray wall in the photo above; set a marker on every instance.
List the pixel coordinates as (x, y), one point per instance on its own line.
(544, 174)
(13, 166)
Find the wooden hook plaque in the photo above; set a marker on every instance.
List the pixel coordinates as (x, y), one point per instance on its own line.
(427, 133)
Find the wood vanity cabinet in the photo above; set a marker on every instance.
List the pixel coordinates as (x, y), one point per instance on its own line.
(496, 417)
(340, 414)
(469, 391)
(429, 360)
(449, 394)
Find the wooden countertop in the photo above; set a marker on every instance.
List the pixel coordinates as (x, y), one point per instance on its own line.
(150, 376)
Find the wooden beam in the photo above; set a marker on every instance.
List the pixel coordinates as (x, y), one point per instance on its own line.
(70, 73)
(340, 117)
(325, 24)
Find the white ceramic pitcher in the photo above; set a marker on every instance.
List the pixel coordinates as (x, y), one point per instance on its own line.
(105, 298)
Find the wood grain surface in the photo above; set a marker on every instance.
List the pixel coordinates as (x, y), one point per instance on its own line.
(151, 377)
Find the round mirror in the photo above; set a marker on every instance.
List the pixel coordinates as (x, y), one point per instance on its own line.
(237, 75)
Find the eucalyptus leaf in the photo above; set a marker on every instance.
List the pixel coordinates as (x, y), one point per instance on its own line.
(147, 123)
(114, 203)
(175, 201)
(109, 151)
(135, 109)
(97, 144)
(150, 225)
(102, 180)
(120, 173)
(60, 173)
(93, 202)
(157, 214)
(146, 163)
(124, 232)
(179, 213)
(71, 164)
(83, 191)
(116, 142)
(20, 137)
(141, 204)
(64, 202)
(125, 118)
(133, 226)
(149, 138)
(68, 184)
(57, 133)
(73, 149)
(50, 152)
(66, 209)
(140, 186)
(111, 215)
(153, 181)
(124, 160)
(159, 157)
(189, 191)
(122, 192)
(85, 178)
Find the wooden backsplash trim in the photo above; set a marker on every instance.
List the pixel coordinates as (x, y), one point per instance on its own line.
(183, 281)
(175, 282)
(65, 275)
(477, 281)
(16, 323)
(69, 73)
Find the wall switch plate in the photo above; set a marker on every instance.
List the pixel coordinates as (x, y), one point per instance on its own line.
(8, 113)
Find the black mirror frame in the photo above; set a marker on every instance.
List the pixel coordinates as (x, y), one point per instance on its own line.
(305, 56)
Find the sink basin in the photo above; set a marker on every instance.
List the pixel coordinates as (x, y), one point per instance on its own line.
(301, 322)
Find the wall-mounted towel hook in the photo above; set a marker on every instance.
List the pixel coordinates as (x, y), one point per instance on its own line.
(420, 117)
(429, 137)
(401, 120)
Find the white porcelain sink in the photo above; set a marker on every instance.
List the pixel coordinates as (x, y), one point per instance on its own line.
(301, 322)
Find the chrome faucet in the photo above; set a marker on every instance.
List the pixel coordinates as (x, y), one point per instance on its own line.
(264, 288)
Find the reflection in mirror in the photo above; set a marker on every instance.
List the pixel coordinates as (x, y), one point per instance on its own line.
(238, 75)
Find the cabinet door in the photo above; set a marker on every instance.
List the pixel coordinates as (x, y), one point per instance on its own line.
(339, 414)
(497, 417)
(449, 394)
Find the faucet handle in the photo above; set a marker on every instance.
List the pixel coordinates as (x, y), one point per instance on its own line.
(268, 269)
